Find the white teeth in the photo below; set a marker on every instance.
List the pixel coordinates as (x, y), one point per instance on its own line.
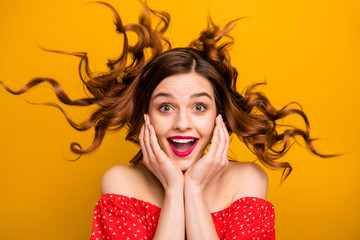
(182, 140)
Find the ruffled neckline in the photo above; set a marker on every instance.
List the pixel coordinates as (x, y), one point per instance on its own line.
(155, 207)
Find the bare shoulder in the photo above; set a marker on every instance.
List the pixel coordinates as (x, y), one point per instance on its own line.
(247, 179)
(120, 179)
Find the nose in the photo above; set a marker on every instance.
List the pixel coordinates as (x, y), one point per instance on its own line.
(182, 121)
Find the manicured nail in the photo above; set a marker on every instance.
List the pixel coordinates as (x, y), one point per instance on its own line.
(145, 117)
(149, 127)
(221, 119)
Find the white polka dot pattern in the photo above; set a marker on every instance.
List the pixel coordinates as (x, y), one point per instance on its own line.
(246, 218)
(119, 217)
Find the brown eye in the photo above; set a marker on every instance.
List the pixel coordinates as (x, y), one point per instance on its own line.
(165, 108)
(200, 107)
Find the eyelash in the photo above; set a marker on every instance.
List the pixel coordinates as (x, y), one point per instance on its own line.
(204, 106)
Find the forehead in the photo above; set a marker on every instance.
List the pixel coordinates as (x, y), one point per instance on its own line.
(184, 85)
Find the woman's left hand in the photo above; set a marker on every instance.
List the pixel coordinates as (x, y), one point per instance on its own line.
(215, 159)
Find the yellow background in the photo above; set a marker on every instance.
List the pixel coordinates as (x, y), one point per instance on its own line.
(309, 51)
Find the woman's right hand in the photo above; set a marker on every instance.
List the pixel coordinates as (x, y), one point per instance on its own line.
(156, 160)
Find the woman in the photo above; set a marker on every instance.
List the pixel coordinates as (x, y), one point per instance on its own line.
(180, 105)
(182, 118)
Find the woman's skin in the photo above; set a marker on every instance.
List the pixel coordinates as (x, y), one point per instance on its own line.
(175, 174)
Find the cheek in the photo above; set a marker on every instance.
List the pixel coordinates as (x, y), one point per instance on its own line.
(160, 125)
(206, 128)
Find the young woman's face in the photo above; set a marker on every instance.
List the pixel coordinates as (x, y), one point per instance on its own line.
(182, 111)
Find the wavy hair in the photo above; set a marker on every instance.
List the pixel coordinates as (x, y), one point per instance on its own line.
(120, 93)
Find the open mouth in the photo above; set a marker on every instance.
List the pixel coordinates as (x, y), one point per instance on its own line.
(182, 146)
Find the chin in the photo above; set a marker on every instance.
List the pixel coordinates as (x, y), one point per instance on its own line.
(183, 165)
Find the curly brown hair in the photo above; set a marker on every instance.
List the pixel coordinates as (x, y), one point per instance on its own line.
(123, 92)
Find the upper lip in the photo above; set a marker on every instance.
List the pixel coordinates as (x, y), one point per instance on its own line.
(182, 137)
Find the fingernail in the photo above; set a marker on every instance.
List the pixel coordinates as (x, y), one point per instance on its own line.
(149, 127)
(145, 117)
(221, 118)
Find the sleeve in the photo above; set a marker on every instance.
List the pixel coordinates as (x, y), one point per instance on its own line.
(117, 218)
(251, 218)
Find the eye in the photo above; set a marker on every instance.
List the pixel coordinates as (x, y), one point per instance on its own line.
(165, 108)
(200, 107)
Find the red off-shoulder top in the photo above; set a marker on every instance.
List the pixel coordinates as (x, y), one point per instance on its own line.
(119, 217)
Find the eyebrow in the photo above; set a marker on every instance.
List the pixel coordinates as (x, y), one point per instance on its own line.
(195, 95)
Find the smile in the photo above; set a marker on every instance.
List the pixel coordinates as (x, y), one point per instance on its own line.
(182, 146)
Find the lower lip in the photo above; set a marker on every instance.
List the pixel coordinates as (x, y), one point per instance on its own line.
(183, 154)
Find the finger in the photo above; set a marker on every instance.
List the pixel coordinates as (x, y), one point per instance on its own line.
(214, 140)
(222, 142)
(141, 137)
(227, 144)
(158, 152)
(224, 133)
(227, 136)
(142, 145)
(221, 159)
(143, 148)
(224, 126)
(149, 150)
